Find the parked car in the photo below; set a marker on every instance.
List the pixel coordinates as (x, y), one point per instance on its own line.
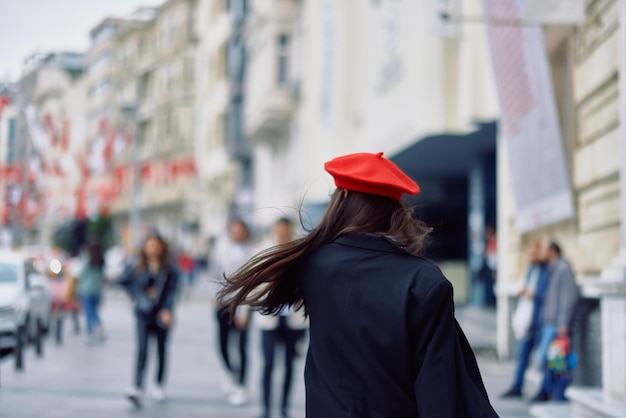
(25, 306)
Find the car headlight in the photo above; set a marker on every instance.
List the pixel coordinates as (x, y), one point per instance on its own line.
(7, 311)
(55, 266)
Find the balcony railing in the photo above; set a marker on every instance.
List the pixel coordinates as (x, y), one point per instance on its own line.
(270, 117)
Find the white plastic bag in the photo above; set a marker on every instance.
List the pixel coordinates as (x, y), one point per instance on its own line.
(522, 317)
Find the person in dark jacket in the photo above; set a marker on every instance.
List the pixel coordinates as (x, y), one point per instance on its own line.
(384, 342)
(557, 315)
(152, 284)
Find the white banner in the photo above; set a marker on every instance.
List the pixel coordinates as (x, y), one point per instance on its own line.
(529, 122)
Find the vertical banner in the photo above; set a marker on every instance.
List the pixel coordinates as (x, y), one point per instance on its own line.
(529, 120)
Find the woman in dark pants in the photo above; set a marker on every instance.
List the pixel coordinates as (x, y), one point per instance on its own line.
(384, 342)
(152, 284)
(287, 330)
(230, 253)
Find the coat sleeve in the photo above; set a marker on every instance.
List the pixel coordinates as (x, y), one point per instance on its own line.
(448, 382)
(171, 288)
(127, 281)
(568, 297)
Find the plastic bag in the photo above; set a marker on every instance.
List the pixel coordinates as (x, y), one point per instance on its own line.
(522, 317)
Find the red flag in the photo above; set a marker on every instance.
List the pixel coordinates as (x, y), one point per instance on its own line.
(58, 171)
(81, 203)
(175, 170)
(4, 102)
(102, 125)
(83, 165)
(49, 122)
(188, 166)
(107, 152)
(65, 135)
(45, 168)
(146, 172)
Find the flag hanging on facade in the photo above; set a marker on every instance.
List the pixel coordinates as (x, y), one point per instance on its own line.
(529, 121)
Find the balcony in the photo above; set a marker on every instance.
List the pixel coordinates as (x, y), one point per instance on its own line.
(269, 117)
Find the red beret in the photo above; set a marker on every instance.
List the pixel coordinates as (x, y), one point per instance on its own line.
(370, 173)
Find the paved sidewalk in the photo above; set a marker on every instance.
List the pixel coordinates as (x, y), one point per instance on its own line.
(479, 326)
(75, 380)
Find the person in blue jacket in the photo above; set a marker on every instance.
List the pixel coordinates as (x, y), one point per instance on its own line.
(152, 283)
(384, 342)
(535, 286)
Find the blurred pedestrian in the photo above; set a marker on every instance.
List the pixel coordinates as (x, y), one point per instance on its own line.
(71, 300)
(230, 253)
(90, 280)
(557, 315)
(287, 329)
(383, 338)
(186, 267)
(533, 294)
(490, 265)
(152, 284)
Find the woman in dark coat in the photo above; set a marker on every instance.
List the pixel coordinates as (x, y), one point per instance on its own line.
(384, 342)
(152, 284)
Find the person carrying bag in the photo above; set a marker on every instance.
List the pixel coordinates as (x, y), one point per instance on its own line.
(152, 284)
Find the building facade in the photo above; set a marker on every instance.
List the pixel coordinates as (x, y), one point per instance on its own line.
(224, 155)
(8, 146)
(587, 63)
(151, 129)
(329, 78)
(50, 137)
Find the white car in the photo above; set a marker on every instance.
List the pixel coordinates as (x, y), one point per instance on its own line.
(25, 305)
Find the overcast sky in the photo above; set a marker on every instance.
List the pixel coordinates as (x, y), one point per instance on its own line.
(27, 26)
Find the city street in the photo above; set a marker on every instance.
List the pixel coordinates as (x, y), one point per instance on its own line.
(75, 380)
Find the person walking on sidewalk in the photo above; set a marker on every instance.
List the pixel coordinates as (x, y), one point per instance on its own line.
(287, 329)
(152, 284)
(557, 314)
(90, 280)
(230, 253)
(534, 293)
(384, 342)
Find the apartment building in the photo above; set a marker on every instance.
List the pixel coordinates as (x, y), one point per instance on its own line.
(8, 146)
(153, 100)
(587, 63)
(50, 131)
(329, 78)
(223, 156)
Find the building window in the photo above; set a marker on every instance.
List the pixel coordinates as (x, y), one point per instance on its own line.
(168, 123)
(225, 134)
(283, 60)
(100, 89)
(224, 60)
(171, 28)
(101, 62)
(141, 48)
(106, 32)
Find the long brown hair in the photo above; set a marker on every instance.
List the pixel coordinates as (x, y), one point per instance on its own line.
(164, 259)
(269, 281)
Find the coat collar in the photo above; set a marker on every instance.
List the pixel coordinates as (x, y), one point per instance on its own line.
(372, 242)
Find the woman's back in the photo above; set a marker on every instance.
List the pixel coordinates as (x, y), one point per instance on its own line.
(90, 279)
(382, 333)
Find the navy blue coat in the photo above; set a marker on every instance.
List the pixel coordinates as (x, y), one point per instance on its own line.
(136, 283)
(384, 342)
